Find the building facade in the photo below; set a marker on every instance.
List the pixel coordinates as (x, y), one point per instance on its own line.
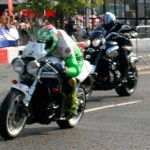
(132, 12)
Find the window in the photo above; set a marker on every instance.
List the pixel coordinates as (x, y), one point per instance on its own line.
(130, 12)
(130, 9)
(141, 12)
(148, 8)
(120, 8)
(109, 5)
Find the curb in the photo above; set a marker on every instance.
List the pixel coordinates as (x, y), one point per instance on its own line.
(144, 68)
(7, 54)
(3, 56)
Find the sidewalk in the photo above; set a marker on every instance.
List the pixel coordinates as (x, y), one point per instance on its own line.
(144, 61)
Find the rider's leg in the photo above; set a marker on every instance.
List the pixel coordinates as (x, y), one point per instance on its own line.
(123, 60)
(71, 99)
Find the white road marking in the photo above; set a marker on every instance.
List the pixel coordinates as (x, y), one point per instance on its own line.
(144, 72)
(111, 106)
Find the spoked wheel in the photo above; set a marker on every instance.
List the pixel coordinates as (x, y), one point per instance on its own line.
(73, 121)
(128, 88)
(12, 115)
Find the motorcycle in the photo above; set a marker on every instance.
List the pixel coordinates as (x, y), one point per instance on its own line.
(36, 96)
(102, 52)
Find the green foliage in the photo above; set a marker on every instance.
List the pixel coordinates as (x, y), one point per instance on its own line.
(61, 6)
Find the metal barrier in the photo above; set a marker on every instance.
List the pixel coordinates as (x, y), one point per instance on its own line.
(142, 44)
(143, 31)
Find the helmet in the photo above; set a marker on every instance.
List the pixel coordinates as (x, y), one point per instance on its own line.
(108, 20)
(48, 35)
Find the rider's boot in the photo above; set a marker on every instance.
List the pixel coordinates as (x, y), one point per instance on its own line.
(71, 107)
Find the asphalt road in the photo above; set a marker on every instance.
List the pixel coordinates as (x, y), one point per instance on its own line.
(110, 122)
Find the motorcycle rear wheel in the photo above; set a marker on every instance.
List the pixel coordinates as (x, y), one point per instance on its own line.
(73, 121)
(128, 88)
(12, 115)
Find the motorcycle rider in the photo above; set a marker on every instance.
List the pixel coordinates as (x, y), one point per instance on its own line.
(60, 44)
(110, 24)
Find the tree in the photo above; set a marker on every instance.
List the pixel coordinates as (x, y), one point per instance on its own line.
(61, 7)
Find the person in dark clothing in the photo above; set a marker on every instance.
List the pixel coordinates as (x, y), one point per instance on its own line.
(70, 26)
(109, 22)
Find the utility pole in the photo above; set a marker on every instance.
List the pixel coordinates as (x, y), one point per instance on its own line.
(87, 16)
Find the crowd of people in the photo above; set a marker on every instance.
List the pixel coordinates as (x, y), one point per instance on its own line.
(28, 25)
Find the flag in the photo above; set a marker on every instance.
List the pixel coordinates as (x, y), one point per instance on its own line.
(49, 12)
(26, 12)
(10, 7)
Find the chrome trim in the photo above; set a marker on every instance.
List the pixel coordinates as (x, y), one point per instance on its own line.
(112, 51)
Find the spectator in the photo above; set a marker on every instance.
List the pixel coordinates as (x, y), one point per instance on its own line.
(33, 27)
(132, 22)
(80, 30)
(13, 28)
(70, 26)
(51, 20)
(24, 27)
(6, 23)
(5, 17)
(13, 22)
(39, 21)
(45, 20)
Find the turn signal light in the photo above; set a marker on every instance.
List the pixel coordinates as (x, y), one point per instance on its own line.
(55, 90)
(14, 82)
(72, 81)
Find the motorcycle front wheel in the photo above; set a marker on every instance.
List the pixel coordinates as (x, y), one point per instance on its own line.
(12, 115)
(128, 88)
(73, 121)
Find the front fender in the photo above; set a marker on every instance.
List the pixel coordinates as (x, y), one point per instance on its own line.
(132, 57)
(25, 90)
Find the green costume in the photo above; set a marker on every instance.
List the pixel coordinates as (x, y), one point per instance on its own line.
(64, 47)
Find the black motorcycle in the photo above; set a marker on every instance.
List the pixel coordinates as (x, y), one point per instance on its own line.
(102, 53)
(36, 96)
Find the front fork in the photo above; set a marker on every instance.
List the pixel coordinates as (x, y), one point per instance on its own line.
(26, 90)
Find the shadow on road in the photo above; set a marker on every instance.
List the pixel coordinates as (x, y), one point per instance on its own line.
(101, 98)
(27, 132)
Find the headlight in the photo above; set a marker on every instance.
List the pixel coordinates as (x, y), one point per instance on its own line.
(96, 42)
(87, 43)
(32, 67)
(18, 65)
(112, 51)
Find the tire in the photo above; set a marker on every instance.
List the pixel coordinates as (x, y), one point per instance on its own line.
(73, 121)
(88, 91)
(129, 87)
(88, 87)
(12, 115)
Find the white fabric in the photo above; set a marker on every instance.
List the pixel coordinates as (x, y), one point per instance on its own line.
(65, 45)
(85, 71)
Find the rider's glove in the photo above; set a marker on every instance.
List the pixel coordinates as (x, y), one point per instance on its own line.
(59, 68)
